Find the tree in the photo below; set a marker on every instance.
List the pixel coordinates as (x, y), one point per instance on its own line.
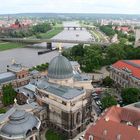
(38, 36)
(2, 110)
(8, 95)
(107, 30)
(93, 58)
(108, 101)
(115, 52)
(77, 50)
(130, 95)
(41, 28)
(107, 81)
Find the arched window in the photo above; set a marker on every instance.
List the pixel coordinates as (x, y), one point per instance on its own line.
(78, 117)
(90, 137)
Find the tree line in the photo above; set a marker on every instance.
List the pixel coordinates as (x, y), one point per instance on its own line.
(109, 31)
(93, 57)
(8, 95)
(129, 95)
(41, 67)
(34, 30)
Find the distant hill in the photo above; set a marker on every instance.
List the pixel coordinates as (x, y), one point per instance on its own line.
(74, 15)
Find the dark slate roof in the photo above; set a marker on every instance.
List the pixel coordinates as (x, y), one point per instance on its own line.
(58, 90)
(7, 76)
(64, 92)
(20, 122)
(74, 63)
(60, 68)
(16, 67)
(82, 77)
(34, 72)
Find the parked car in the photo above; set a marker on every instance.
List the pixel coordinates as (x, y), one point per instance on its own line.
(81, 138)
(98, 102)
(94, 94)
(101, 108)
(96, 98)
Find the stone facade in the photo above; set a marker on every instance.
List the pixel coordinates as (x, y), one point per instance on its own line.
(22, 76)
(67, 100)
(66, 116)
(124, 78)
(137, 36)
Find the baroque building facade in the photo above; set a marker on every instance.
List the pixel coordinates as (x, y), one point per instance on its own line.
(17, 75)
(66, 98)
(126, 73)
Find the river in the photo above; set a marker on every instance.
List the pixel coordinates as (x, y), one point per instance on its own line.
(29, 56)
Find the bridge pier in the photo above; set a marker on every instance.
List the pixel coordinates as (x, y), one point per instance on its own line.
(68, 28)
(49, 46)
(74, 28)
(81, 28)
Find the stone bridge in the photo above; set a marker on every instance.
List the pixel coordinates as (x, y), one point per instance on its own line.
(50, 41)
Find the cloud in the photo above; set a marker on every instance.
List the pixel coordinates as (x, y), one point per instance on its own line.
(70, 6)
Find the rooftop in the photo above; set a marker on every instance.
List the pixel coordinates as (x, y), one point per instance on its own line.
(60, 68)
(134, 106)
(58, 90)
(81, 77)
(18, 125)
(7, 76)
(117, 124)
(74, 63)
(132, 65)
(15, 67)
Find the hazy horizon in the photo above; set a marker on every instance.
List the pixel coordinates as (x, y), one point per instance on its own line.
(73, 6)
(66, 13)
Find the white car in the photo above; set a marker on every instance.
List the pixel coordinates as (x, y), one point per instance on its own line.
(81, 138)
(94, 94)
(98, 102)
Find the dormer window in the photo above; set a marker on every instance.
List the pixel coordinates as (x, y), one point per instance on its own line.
(105, 132)
(119, 137)
(90, 137)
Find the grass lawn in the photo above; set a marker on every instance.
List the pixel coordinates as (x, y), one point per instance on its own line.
(51, 33)
(51, 135)
(9, 45)
(2, 110)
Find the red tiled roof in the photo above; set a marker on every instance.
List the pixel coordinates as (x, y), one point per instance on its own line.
(132, 65)
(115, 127)
(14, 26)
(123, 28)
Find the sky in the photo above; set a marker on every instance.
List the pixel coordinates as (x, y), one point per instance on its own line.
(70, 6)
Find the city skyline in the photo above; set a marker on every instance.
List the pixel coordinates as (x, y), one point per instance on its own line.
(62, 6)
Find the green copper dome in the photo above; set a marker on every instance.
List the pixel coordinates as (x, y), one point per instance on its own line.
(60, 68)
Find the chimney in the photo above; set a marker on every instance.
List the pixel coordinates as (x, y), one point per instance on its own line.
(106, 119)
(118, 105)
